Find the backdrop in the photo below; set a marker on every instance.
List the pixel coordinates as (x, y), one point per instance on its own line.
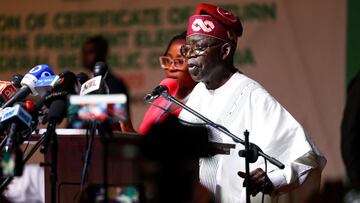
(295, 49)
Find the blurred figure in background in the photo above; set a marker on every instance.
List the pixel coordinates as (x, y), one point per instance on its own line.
(95, 49)
(350, 139)
(175, 66)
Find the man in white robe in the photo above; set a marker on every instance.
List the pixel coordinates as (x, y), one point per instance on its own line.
(231, 99)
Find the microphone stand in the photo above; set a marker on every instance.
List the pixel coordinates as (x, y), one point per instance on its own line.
(52, 138)
(3, 142)
(88, 154)
(25, 159)
(251, 151)
(105, 131)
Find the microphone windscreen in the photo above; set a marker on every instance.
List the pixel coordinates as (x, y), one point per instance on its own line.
(100, 68)
(67, 82)
(16, 80)
(171, 84)
(57, 110)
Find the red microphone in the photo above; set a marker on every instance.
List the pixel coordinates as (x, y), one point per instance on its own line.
(168, 85)
(7, 90)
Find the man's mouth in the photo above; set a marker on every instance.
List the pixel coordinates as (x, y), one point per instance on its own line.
(193, 67)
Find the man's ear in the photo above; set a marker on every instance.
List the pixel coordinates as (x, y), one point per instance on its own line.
(226, 50)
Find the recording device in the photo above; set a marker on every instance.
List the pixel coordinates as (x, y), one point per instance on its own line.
(168, 85)
(28, 83)
(101, 107)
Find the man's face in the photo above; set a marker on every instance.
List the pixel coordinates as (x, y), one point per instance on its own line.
(89, 56)
(203, 53)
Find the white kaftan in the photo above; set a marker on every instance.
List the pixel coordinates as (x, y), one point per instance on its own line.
(242, 104)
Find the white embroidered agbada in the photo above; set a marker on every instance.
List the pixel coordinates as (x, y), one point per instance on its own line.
(242, 104)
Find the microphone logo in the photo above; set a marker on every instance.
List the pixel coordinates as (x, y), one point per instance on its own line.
(9, 93)
(7, 90)
(35, 69)
(91, 85)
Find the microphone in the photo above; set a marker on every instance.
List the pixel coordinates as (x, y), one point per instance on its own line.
(28, 83)
(57, 112)
(18, 118)
(16, 80)
(101, 69)
(45, 84)
(64, 85)
(7, 90)
(169, 85)
(97, 84)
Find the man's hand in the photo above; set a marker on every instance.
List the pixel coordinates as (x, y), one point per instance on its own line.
(259, 182)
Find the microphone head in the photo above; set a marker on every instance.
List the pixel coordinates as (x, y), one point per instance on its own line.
(171, 84)
(16, 114)
(57, 110)
(34, 74)
(63, 87)
(7, 90)
(44, 85)
(16, 80)
(67, 82)
(100, 68)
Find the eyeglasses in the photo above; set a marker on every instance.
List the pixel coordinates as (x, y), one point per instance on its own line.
(166, 62)
(195, 49)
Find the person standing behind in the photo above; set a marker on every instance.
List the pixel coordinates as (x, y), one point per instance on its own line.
(350, 135)
(96, 49)
(175, 66)
(231, 99)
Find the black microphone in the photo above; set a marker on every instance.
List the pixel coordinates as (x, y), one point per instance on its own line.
(16, 80)
(64, 86)
(57, 112)
(169, 85)
(97, 84)
(100, 68)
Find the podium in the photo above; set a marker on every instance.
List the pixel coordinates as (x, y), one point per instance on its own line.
(122, 149)
(166, 174)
